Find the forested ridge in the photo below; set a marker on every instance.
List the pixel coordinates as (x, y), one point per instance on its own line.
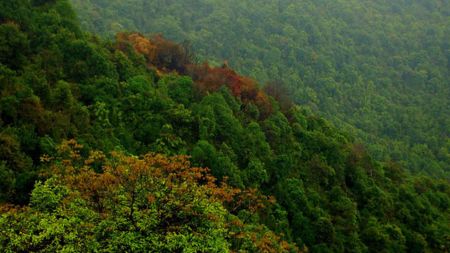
(130, 145)
(378, 69)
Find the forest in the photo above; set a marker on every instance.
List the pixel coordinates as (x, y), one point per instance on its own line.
(376, 69)
(131, 143)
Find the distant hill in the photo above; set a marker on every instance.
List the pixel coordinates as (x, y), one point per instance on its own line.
(130, 145)
(378, 69)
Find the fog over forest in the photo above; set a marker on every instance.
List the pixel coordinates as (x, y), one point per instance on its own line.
(225, 126)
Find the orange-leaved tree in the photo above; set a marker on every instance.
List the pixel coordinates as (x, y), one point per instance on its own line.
(118, 202)
(165, 55)
(158, 52)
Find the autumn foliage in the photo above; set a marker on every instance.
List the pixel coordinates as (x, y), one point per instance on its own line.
(154, 196)
(166, 56)
(158, 52)
(134, 104)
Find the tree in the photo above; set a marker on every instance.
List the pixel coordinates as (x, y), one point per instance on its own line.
(14, 45)
(153, 203)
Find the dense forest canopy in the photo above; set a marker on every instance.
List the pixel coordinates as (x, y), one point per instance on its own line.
(130, 145)
(378, 69)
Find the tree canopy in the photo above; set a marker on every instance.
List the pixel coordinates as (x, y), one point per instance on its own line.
(132, 145)
(378, 69)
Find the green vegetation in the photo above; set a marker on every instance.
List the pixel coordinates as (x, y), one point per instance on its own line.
(130, 146)
(378, 69)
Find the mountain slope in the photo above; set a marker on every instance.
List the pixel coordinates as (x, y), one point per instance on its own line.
(104, 128)
(379, 69)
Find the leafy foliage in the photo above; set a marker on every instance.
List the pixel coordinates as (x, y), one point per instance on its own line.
(153, 203)
(378, 69)
(146, 115)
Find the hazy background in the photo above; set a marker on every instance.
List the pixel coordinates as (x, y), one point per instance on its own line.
(379, 69)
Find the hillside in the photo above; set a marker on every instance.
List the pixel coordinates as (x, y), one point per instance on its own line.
(130, 145)
(378, 69)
